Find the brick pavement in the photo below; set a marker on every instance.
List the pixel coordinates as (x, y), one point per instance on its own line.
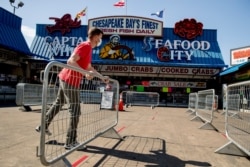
(162, 136)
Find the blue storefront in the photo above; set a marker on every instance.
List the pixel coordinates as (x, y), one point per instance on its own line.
(140, 53)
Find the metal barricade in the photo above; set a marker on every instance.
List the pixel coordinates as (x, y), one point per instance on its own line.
(142, 99)
(234, 106)
(7, 93)
(205, 108)
(31, 95)
(215, 103)
(224, 105)
(192, 103)
(89, 113)
(237, 120)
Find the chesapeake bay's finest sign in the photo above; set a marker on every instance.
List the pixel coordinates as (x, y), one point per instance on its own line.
(127, 25)
(240, 55)
(160, 70)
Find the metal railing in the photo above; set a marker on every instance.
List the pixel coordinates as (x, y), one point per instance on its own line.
(237, 120)
(205, 108)
(192, 102)
(141, 98)
(215, 103)
(94, 114)
(31, 94)
(234, 106)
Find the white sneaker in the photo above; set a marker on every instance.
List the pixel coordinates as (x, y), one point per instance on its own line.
(71, 145)
(47, 132)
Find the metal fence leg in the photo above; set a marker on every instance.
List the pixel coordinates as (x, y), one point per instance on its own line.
(25, 108)
(231, 149)
(67, 163)
(207, 126)
(111, 133)
(192, 113)
(196, 118)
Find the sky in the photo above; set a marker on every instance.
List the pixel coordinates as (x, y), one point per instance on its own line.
(229, 17)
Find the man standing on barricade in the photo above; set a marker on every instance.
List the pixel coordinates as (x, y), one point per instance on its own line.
(69, 86)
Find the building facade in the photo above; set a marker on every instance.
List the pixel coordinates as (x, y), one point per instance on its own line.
(140, 53)
(14, 52)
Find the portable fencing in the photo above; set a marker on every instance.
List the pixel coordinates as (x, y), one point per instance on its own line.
(234, 106)
(237, 120)
(224, 106)
(215, 103)
(142, 99)
(80, 114)
(205, 108)
(31, 94)
(192, 102)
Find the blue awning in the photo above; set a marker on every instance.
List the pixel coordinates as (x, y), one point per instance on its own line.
(234, 68)
(11, 36)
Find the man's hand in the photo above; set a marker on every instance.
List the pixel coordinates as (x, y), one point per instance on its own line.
(89, 76)
(105, 79)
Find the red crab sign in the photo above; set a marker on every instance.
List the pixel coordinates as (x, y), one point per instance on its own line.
(63, 24)
(188, 28)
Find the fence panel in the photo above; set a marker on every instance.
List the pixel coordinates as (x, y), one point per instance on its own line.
(215, 103)
(31, 94)
(237, 119)
(205, 108)
(92, 111)
(192, 102)
(142, 98)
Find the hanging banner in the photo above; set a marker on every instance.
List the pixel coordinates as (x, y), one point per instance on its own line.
(160, 70)
(178, 84)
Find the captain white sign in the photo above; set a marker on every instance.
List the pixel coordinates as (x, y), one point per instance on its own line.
(61, 47)
(127, 25)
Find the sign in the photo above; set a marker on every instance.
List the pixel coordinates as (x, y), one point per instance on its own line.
(188, 28)
(178, 84)
(239, 55)
(63, 24)
(168, 50)
(160, 70)
(244, 75)
(61, 47)
(128, 25)
(189, 71)
(107, 100)
(125, 68)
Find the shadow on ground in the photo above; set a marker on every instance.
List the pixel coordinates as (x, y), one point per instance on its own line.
(150, 152)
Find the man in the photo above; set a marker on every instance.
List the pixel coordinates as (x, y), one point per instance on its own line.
(69, 86)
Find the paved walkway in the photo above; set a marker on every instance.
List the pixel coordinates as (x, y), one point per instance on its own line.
(161, 136)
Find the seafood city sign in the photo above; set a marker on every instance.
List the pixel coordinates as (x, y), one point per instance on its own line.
(187, 30)
(128, 25)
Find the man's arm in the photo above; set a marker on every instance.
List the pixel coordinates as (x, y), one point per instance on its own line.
(105, 79)
(73, 60)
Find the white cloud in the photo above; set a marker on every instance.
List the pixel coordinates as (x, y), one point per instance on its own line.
(28, 33)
